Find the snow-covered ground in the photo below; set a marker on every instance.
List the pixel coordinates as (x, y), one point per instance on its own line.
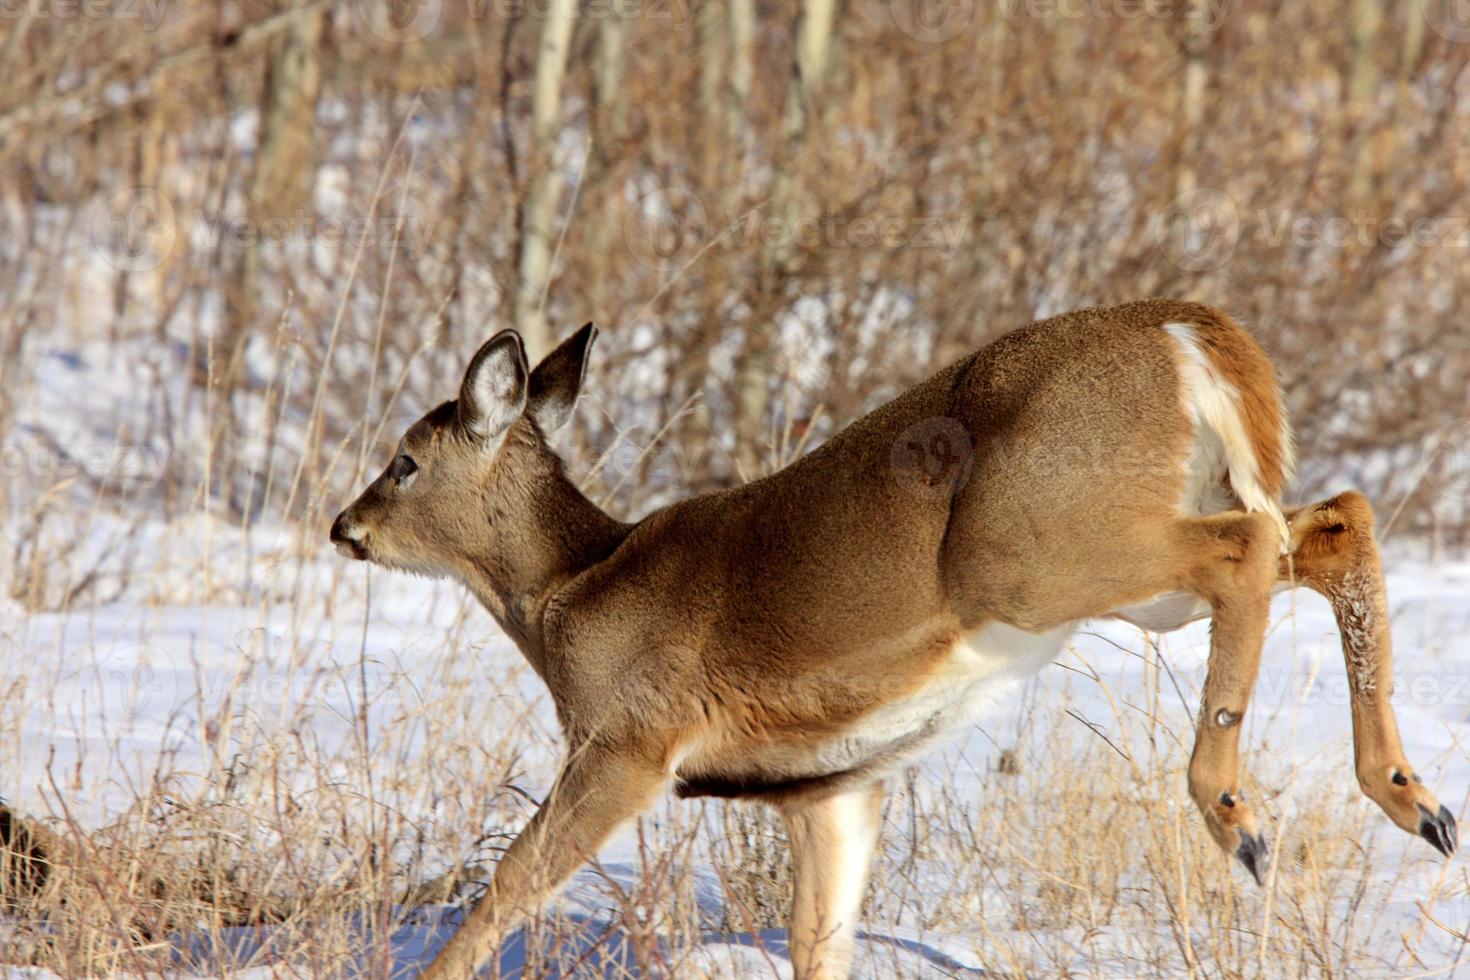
(251, 686)
(150, 694)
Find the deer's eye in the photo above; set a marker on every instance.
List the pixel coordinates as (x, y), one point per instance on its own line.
(402, 469)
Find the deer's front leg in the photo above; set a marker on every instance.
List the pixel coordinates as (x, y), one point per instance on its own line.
(1334, 553)
(1236, 566)
(597, 789)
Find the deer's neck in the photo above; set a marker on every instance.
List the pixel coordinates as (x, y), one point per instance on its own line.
(558, 536)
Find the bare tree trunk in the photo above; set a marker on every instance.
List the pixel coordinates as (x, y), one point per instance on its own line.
(281, 180)
(813, 41)
(280, 188)
(992, 50)
(607, 75)
(1362, 92)
(610, 133)
(742, 62)
(1192, 100)
(713, 23)
(726, 47)
(809, 68)
(1394, 136)
(1189, 137)
(148, 139)
(726, 53)
(538, 212)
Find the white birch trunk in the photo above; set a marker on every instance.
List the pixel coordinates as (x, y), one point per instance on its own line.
(539, 210)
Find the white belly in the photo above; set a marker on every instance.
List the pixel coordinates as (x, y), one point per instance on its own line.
(1165, 613)
(982, 670)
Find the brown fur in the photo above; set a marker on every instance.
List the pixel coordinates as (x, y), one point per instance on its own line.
(725, 643)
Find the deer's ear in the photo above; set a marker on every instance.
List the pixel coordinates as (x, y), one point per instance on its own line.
(557, 380)
(493, 393)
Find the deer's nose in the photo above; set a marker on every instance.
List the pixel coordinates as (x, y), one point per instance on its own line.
(348, 537)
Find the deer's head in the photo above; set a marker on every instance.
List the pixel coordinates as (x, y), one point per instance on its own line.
(472, 486)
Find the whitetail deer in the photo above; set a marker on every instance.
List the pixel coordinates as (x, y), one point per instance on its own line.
(797, 639)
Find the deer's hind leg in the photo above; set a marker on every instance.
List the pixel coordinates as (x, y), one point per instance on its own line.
(1232, 565)
(832, 843)
(1333, 551)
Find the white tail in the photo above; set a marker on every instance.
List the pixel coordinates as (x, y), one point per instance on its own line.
(1215, 408)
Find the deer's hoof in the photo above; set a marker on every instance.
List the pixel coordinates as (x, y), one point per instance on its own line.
(1253, 853)
(1439, 829)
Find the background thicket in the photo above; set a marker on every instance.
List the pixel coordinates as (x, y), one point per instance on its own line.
(289, 223)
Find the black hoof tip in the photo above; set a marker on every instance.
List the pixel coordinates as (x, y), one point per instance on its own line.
(1253, 853)
(1439, 829)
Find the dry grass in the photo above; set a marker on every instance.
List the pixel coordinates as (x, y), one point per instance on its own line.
(297, 830)
(350, 754)
(329, 773)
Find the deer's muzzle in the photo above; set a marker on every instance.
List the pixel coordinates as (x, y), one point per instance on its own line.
(348, 538)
